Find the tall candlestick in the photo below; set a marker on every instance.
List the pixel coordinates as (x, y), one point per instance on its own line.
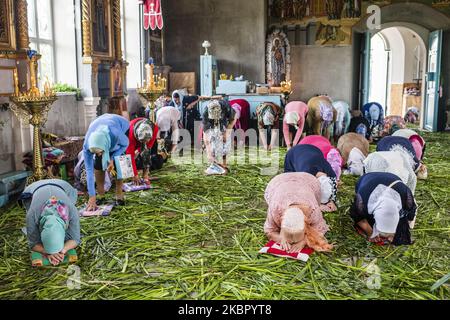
(147, 68)
(16, 83)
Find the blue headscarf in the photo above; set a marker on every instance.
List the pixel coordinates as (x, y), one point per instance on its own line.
(101, 139)
(53, 224)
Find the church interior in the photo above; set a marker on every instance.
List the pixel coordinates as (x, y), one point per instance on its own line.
(172, 139)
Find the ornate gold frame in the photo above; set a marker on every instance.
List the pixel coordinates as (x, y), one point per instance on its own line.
(11, 44)
(15, 83)
(112, 79)
(110, 54)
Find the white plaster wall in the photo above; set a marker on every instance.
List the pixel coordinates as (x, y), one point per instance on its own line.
(397, 47)
(411, 41)
(65, 42)
(63, 118)
(131, 44)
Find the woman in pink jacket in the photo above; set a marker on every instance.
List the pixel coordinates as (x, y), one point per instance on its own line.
(294, 215)
(331, 154)
(294, 122)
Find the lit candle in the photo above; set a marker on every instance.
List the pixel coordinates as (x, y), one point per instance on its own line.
(152, 79)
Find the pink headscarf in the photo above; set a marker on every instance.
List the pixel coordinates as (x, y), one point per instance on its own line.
(335, 160)
(58, 207)
(418, 144)
(238, 109)
(320, 142)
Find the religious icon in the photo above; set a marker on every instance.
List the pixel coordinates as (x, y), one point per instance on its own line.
(278, 63)
(100, 26)
(334, 9)
(278, 59)
(116, 81)
(3, 22)
(7, 34)
(330, 35)
(351, 9)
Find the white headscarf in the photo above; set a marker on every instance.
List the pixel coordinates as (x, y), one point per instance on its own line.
(268, 118)
(292, 118)
(167, 117)
(180, 105)
(293, 220)
(214, 110)
(384, 204)
(326, 188)
(355, 162)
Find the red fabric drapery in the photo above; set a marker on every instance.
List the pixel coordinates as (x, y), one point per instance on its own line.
(152, 14)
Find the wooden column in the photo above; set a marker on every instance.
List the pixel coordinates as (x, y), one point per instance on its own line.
(22, 25)
(87, 29)
(117, 30)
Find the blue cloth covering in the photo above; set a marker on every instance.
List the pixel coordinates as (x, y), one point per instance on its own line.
(118, 127)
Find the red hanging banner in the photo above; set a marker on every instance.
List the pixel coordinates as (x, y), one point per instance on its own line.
(152, 14)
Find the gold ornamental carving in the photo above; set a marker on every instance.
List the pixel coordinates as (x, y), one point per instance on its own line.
(87, 30)
(117, 29)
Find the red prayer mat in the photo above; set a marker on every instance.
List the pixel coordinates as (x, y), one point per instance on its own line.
(275, 250)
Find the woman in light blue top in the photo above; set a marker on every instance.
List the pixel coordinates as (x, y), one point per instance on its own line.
(107, 137)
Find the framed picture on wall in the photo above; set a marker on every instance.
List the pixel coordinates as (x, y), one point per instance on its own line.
(7, 81)
(116, 81)
(7, 31)
(102, 29)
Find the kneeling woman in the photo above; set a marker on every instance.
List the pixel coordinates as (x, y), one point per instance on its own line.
(383, 208)
(416, 140)
(294, 219)
(354, 149)
(142, 137)
(321, 116)
(309, 159)
(105, 139)
(330, 153)
(359, 125)
(392, 162)
(404, 145)
(53, 223)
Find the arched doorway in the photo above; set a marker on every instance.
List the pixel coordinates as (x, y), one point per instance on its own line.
(397, 70)
(429, 30)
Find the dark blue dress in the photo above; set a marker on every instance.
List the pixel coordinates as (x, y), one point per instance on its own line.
(189, 116)
(308, 158)
(387, 143)
(364, 188)
(357, 123)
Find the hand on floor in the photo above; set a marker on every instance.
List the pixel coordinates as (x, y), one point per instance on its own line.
(298, 247)
(137, 181)
(55, 259)
(92, 204)
(285, 246)
(329, 207)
